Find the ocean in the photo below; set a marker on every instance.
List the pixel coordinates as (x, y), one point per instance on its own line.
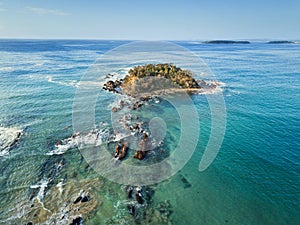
(254, 178)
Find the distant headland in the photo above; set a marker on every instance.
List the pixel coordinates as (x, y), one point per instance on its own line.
(247, 42)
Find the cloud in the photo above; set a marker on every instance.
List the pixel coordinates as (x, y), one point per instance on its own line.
(44, 11)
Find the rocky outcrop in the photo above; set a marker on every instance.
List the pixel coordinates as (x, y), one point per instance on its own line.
(112, 85)
(123, 151)
(9, 137)
(141, 154)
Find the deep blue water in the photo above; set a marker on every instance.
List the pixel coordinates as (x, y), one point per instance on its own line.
(253, 180)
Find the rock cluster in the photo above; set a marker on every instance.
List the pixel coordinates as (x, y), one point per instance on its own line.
(112, 85)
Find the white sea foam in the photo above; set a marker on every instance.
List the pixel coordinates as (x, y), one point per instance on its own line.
(8, 137)
(60, 186)
(41, 185)
(121, 136)
(212, 87)
(69, 83)
(93, 138)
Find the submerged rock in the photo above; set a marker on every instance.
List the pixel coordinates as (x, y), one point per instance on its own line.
(186, 183)
(131, 209)
(67, 208)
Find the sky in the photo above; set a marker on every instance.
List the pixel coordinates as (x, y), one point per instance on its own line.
(150, 19)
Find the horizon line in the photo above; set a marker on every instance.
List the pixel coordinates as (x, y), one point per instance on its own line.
(105, 39)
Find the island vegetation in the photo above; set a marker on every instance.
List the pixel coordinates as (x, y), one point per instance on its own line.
(152, 77)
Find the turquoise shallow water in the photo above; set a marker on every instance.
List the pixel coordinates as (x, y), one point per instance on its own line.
(253, 180)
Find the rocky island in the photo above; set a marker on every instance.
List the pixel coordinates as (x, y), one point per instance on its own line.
(280, 42)
(226, 42)
(155, 78)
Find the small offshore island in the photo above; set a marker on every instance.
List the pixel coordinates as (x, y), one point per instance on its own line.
(226, 42)
(157, 77)
(280, 42)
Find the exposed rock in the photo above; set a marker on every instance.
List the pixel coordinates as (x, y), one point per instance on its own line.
(140, 155)
(114, 109)
(124, 151)
(77, 221)
(129, 191)
(139, 196)
(78, 199)
(83, 197)
(117, 151)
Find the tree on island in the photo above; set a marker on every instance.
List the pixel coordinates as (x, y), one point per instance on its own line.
(180, 78)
